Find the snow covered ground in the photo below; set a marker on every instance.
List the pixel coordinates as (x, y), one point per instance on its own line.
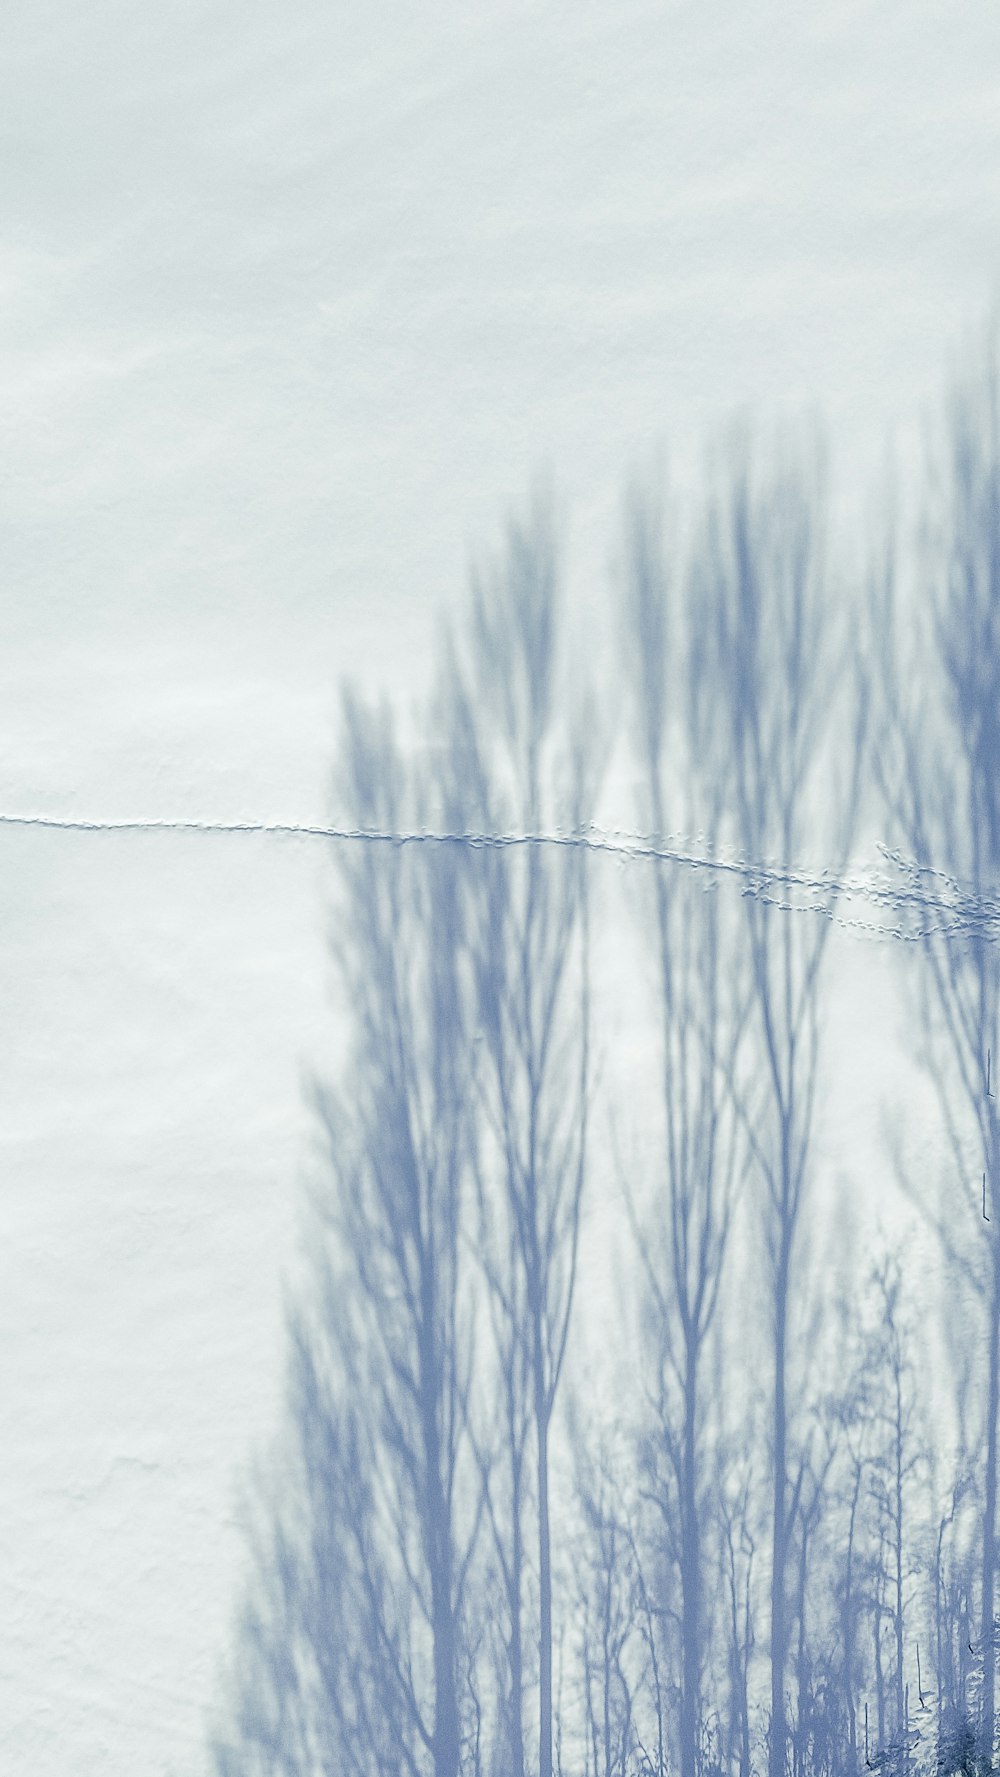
(294, 303)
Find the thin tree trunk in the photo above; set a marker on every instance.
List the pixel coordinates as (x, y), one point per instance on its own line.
(446, 1731)
(847, 1622)
(516, 1649)
(690, 1564)
(898, 1554)
(879, 1675)
(446, 1734)
(779, 1629)
(938, 1635)
(800, 1674)
(544, 1568)
(989, 1524)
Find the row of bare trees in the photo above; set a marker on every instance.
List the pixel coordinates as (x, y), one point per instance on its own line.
(741, 1514)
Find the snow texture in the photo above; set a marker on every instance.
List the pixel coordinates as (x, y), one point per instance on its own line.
(295, 302)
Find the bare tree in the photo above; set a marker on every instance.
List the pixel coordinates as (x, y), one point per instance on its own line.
(897, 1457)
(504, 1461)
(850, 1569)
(520, 769)
(682, 1239)
(376, 1541)
(939, 768)
(781, 668)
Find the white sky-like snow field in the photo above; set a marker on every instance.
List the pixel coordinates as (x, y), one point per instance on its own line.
(294, 303)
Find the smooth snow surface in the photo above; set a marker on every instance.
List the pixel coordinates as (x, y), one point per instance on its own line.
(295, 302)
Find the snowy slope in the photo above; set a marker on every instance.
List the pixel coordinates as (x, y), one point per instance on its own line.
(294, 302)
